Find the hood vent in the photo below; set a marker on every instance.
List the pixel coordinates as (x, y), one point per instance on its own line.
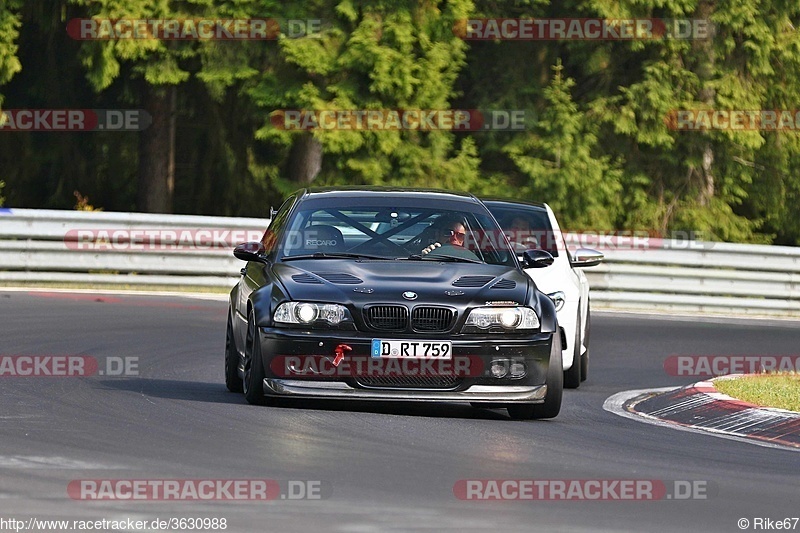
(472, 281)
(341, 278)
(306, 278)
(505, 284)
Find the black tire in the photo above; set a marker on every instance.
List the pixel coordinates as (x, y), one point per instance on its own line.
(555, 388)
(253, 383)
(232, 379)
(572, 376)
(520, 411)
(585, 357)
(555, 385)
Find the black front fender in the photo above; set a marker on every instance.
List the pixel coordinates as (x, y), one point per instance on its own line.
(547, 313)
(264, 301)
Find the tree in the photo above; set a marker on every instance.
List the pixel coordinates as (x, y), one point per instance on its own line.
(157, 69)
(9, 63)
(9, 32)
(380, 56)
(703, 180)
(560, 159)
(605, 150)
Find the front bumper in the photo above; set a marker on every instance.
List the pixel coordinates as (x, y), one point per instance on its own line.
(341, 390)
(475, 385)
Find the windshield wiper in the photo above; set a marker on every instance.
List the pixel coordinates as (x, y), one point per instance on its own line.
(448, 258)
(334, 255)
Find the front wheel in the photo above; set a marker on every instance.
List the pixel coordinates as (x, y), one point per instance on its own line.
(253, 383)
(555, 387)
(572, 376)
(585, 357)
(232, 379)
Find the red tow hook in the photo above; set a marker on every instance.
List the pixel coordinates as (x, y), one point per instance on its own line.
(340, 351)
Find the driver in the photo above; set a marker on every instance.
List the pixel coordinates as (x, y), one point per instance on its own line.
(452, 234)
(521, 235)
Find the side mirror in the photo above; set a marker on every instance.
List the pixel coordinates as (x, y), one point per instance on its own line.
(250, 251)
(536, 259)
(586, 257)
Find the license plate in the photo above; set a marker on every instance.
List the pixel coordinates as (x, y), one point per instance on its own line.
(407, 349)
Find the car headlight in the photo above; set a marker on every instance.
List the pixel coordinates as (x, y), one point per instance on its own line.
(508, 318)
(559, 299)
(308, 312)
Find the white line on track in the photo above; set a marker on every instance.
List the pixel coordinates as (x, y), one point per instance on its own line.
(52, 462)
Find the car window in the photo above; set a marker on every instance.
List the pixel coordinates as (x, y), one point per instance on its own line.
(395, 233)
(270, 238)
(527, 228)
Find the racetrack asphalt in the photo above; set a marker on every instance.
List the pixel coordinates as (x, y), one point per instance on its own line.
(385, 467)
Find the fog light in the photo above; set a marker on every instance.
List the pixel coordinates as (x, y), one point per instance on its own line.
(499, 368)
(517, 370)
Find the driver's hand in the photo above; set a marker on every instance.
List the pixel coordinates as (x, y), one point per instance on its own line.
(430, 248)
(526, 244)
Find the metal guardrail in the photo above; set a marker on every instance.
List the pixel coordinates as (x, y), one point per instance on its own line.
(99, 248)
(195, 251)
(710, 277)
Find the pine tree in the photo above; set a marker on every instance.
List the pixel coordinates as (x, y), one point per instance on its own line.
(559, 158)
(382, 56)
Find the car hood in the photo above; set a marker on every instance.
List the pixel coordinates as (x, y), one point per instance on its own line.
(352, 282)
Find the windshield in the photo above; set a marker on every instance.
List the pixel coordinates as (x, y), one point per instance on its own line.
(409, 233)
(527, 228)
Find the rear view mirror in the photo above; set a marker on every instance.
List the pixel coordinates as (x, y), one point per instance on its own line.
(250, 251)
(536, 259)
(586, 257)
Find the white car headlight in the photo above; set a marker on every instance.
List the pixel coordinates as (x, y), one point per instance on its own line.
(509, 318)
(308, 312)
(559, 299)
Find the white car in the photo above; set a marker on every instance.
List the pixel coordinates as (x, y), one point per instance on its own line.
(533, 227)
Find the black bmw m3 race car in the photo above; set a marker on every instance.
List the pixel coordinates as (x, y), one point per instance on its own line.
(392, 294)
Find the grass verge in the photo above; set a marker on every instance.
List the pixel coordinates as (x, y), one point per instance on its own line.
(768, 390)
